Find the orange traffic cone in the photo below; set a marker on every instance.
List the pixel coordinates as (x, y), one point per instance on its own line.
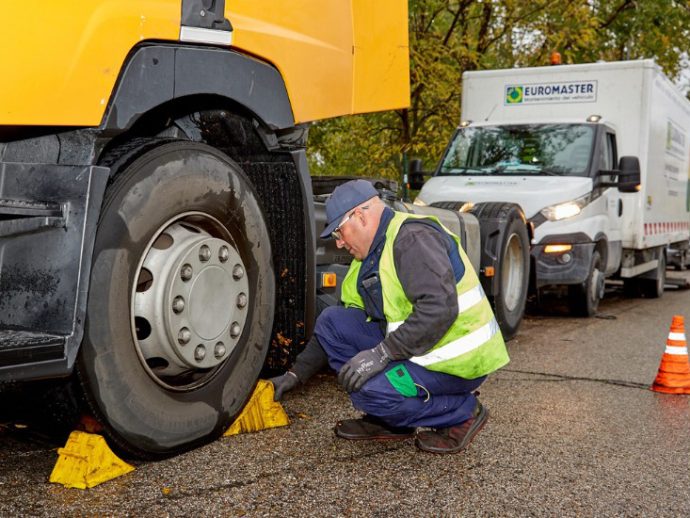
(674, 371)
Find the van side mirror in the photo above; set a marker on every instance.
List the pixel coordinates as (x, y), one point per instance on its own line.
(416, 178)
(629, 174)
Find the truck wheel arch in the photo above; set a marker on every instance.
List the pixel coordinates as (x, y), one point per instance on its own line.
(155, 74)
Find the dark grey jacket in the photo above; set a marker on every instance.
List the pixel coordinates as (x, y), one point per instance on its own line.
(426, 275)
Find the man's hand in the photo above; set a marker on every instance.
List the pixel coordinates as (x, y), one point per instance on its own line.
(283, 384)
(363, 366)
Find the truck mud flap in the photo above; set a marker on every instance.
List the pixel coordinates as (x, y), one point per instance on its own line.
(48, 217)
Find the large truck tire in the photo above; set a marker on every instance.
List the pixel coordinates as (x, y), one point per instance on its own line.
(181, 304)
(505, 245)
(584, 298)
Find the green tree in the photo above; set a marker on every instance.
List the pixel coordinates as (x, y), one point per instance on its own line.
(449, 37)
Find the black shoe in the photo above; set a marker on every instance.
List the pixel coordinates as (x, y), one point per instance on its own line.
(454, 438)
(372, 429)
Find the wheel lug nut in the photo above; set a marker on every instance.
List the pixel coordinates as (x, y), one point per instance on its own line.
(199, 353)
(186, 272)
(204, 253)
(238, 272)
(223, 254)
(219, 350)
(178, 305)
(184, 336)
(241, 300)
(235, 330)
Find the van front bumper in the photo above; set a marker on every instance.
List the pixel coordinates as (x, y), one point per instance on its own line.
(568, 267)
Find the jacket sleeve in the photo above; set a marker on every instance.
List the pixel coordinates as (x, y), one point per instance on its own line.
(426, 275)
(310, 361)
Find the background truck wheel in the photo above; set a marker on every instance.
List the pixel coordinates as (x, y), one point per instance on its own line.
(181, 302)
(505, 244)
(584, 298)
(513, 272)
(654, 288)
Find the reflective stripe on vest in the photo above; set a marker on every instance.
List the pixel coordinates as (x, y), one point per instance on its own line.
(460, 346)
(465, 301)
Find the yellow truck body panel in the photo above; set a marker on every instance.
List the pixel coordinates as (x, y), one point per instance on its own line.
(61, 63)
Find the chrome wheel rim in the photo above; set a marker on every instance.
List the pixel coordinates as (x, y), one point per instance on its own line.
(189, 302)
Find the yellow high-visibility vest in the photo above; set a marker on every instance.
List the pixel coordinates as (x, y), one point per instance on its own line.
(472, 346)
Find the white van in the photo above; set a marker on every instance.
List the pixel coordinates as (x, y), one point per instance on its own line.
(595, 157)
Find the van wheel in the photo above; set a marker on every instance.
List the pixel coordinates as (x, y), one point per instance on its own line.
(584, 298)
(180, 306)
(654, 288)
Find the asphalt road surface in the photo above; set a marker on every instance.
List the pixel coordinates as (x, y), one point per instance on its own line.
(573, 431)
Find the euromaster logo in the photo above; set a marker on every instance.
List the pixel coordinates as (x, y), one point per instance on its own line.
(551, 93)
(514, 94)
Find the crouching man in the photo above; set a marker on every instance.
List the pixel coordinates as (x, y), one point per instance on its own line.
(415, 336)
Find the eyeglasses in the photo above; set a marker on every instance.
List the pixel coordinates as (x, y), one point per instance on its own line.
(336, 231)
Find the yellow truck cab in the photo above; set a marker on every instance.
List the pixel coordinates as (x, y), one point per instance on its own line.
(156, 221)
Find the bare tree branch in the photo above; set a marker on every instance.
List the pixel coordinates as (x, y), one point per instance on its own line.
(622, 7)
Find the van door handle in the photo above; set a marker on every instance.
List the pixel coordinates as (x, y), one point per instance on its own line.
(620, 208)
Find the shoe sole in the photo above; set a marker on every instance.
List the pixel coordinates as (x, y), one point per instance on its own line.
(476, 427)
(379, 437)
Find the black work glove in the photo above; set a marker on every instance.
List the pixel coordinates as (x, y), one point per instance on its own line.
(363, 366)
(283, 384)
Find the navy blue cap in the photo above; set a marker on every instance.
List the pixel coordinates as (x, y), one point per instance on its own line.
(346, 197)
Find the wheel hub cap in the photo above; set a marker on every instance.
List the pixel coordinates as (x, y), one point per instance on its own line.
(190, 306)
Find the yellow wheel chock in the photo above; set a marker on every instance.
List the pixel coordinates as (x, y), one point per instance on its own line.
(86, 461)
(260, 412)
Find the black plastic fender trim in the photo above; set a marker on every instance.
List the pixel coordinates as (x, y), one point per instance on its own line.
(155, 74)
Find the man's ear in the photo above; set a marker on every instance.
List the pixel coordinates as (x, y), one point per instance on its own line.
(363, 216)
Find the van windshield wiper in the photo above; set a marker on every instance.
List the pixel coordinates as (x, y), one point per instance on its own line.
(524, 169)
(527, 169)
(549, 172)
(464, 170)
(501, 170)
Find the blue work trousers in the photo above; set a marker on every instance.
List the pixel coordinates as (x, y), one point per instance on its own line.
(442, 400)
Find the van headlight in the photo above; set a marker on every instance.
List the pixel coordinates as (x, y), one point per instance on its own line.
(567, 209)
(419, 202)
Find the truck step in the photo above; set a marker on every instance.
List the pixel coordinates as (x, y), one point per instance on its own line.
(18, 347)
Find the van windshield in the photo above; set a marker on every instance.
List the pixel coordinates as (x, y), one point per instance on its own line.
(528, 149)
